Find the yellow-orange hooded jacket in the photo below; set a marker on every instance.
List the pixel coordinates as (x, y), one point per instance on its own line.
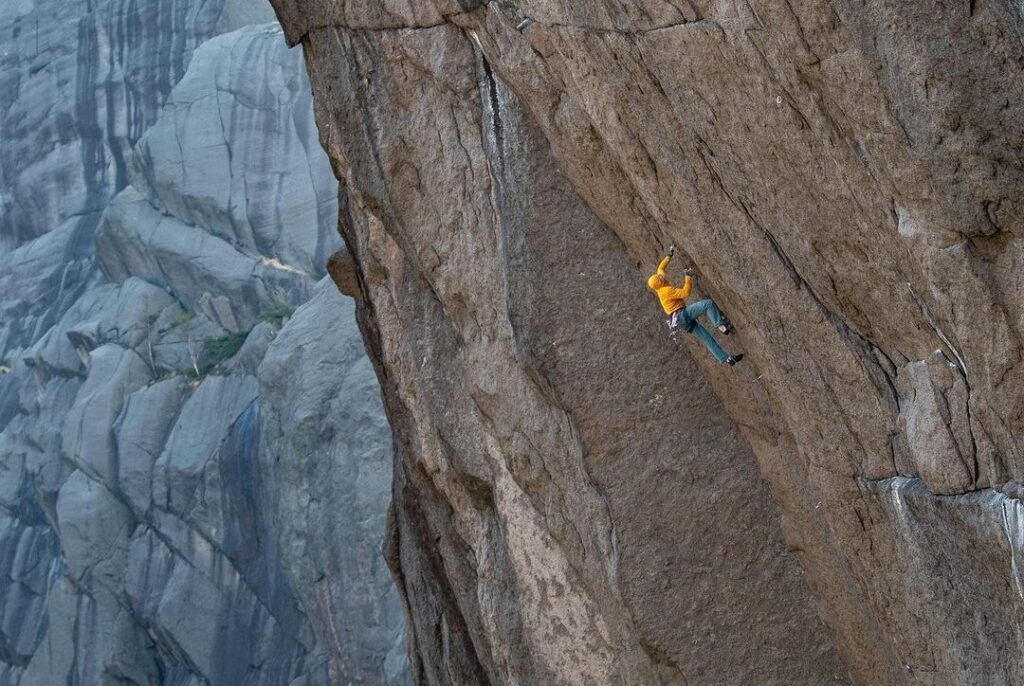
(671, 298)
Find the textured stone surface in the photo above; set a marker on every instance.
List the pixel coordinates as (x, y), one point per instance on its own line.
(254, 161)
(209, 275)
(83, 81)
(576, 501)
(145, 531)
(327, 451)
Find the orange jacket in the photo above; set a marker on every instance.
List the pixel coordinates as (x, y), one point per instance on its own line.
(671, 298)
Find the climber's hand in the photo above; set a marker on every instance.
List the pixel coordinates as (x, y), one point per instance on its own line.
(689, 272)
(671, 250)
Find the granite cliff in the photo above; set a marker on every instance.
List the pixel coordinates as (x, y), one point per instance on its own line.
(577, 501)
(194, 465)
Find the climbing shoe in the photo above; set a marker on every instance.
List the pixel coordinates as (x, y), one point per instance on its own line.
(726, 327)
(733, 360)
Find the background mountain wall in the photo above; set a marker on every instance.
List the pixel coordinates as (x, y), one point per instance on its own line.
(576, 500)
(194, 461)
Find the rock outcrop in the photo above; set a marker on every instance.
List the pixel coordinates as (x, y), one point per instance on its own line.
(327, 445)
(577, 501)
(194, 465)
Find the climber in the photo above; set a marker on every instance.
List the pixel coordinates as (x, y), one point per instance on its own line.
(683, 317)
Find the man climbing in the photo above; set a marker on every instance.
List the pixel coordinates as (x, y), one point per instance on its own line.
(683, 317)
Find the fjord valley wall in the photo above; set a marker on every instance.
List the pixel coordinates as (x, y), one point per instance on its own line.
(194, 459)
(576, 500)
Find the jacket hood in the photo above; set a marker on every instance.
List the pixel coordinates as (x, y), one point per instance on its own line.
(656, 282)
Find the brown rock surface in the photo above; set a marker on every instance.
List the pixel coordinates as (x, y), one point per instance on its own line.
(578, 502)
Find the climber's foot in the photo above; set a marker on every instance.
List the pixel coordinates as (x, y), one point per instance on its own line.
(726, 327)
(733, 360)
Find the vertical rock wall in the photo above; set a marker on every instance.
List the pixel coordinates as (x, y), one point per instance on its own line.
(846, 181)
(178, 503)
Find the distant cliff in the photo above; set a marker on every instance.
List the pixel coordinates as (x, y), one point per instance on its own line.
(194, 460)
(579, 502)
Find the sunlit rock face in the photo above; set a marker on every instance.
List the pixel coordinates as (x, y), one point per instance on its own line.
(576, 500)
(194, 460)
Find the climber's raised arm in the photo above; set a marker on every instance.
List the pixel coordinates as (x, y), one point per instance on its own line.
(663, 265)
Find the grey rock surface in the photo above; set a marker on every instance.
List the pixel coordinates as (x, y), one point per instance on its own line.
(164, 209)
(83, 80)
(87, 439)
(254, 161)
(207, 274)
(141, 432)
(320, 390)
(576, 501)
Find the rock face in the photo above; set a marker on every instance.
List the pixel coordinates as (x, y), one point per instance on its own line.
(577, 501)
(194, 465)
(327, 445)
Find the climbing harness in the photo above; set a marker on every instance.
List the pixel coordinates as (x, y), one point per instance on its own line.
(680, 322)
